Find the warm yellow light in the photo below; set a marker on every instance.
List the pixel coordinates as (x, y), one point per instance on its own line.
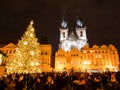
(31, 35)
(32, 22)
(32, 53)
(10, 68)
(36, 63)
(32, 63)
(25, 43)
(86, 62)
(0, 59)
(20, 64)
(84, 51)
(91, 51)
(32, 29)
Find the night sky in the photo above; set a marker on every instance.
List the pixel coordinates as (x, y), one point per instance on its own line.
(102, 18)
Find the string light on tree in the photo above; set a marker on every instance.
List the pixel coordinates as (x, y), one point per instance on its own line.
(27, 55)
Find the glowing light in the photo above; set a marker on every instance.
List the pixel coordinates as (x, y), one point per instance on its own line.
(32, 53)
(86, 62)
(36, 63)
(32, 29)
(32, 22)
(26, 58)
(25, 43)
(60, 67)
(20, 64)
(0, 59)
(31, 35)
(91, 51)
(98, 56)
(32, 63)
(84, 51)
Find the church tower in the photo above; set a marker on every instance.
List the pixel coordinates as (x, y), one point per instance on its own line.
(81, 33)
(77, 39)
(63, 31)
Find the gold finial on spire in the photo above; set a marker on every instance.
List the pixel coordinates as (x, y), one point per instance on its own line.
(31, 22)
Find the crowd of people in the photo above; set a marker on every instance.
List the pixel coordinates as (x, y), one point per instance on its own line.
(61, 81)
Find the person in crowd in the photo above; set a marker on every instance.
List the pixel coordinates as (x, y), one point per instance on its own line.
(50, 84)
(2, 83)
(80, 84)
(113, 84)
(20, 83)
(61, 81)
(38, 85)
(118, 77)
(12, 81)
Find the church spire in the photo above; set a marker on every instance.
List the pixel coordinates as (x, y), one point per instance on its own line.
(64, 24)
(79, 22)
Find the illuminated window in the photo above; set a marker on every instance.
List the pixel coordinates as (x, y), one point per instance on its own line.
(81, 33)
(84, 51)
(91, 51)
(63, 34)
(72, 62)
(98, 56)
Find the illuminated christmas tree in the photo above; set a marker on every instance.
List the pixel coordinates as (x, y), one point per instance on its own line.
(27, 55)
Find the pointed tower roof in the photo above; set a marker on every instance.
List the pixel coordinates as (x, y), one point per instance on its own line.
(63, 21)
(64, 24)
(72, 36)
(79, 23)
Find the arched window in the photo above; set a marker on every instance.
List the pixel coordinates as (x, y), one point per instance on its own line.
(81, 33)
(63, 34)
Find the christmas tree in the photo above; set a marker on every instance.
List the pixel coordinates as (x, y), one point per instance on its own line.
(27, 55)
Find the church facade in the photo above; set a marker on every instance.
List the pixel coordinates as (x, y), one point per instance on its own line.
(72, 39)
(74, 52)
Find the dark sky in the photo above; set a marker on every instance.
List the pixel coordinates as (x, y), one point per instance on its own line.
(102, 18)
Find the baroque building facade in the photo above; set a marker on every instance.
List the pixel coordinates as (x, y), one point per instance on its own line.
(95, 58)
(45, 55)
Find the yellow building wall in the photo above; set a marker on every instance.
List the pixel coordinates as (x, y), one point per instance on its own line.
(95, 58)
